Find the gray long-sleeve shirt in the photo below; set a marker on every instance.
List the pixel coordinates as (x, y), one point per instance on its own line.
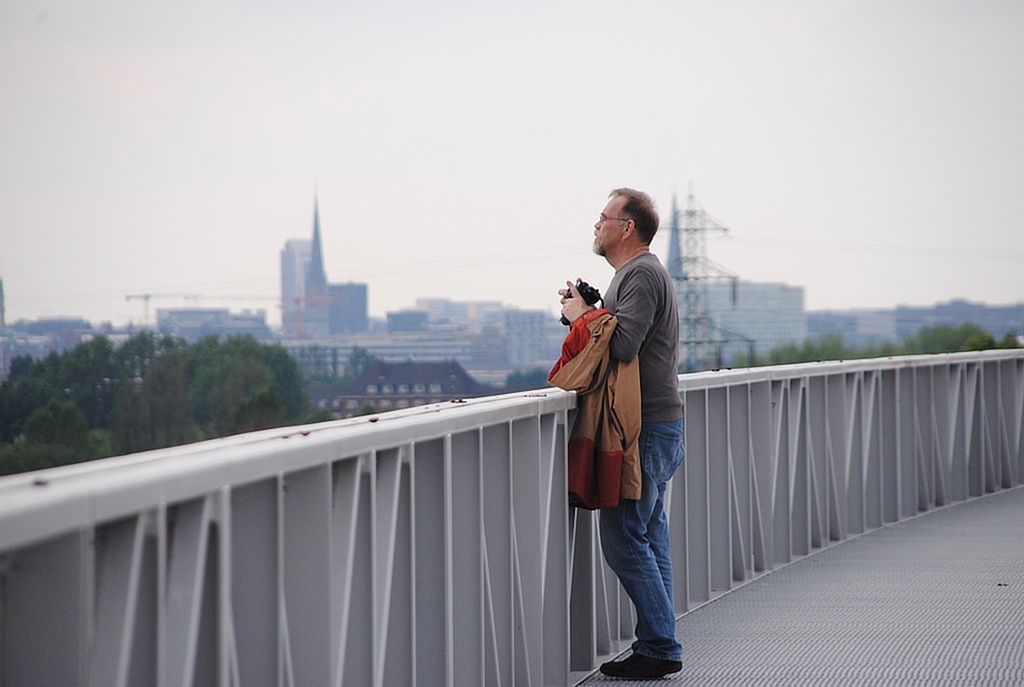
(642, 297)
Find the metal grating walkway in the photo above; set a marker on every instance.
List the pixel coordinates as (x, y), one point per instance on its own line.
(935, 600)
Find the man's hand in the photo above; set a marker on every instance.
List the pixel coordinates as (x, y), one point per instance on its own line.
(574, 306)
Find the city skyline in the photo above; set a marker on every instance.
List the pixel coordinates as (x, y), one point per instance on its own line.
(278, 304)
(868, 153)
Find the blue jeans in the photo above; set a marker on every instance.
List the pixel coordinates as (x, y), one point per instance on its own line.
(634, 537)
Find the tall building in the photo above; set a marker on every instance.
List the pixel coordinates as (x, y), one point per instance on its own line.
(758, 315)
(294, 259)
(533, 338)
(347, 308)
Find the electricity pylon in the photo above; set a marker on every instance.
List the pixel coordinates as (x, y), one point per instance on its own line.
(700, 338)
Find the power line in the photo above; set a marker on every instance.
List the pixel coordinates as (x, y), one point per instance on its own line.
(919, 250)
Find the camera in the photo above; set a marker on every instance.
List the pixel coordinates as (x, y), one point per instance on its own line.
(589, 294)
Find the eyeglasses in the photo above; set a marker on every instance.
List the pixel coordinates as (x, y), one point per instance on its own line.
(604, 218)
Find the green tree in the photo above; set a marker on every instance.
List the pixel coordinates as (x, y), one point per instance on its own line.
(360, 360)
(1009, 340)
(88, 372)
(209, 389)
(286, 381)
(261, 410)
(827, 347)
(980, 342)
(22, 457)
(19, 397)
(55, 434)
(928, 340)
(150, 392)
(86, 376)
(536, 378)
(942, 339)
(150, 407)
(60, 424)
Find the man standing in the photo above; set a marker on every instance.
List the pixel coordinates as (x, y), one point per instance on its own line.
(634, 534)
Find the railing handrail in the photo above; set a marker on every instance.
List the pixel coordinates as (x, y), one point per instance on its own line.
(75, 489)
(436, 543)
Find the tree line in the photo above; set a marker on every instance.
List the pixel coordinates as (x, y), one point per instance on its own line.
(928, 340)
(153, 391)
(101, 399)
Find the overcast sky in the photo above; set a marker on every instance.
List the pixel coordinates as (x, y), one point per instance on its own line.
(870, 151)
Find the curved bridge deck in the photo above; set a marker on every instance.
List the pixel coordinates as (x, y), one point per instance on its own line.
(934, 600)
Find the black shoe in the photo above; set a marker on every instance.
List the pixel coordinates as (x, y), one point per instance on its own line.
(639, 666)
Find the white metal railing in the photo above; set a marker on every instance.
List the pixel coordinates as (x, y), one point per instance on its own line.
(435, 545)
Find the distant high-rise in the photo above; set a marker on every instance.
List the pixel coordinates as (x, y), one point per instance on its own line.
(768, 315)
(532, 339)
(294, 259)
(347, 308)
(311, 307)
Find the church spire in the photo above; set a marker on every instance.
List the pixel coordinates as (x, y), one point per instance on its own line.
(316, 309)
(316, 278)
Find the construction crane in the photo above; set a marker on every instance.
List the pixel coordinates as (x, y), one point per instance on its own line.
(145, 298)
